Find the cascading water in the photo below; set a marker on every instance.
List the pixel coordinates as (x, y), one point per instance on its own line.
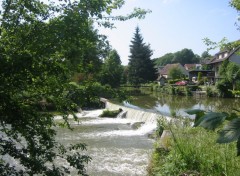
(115, 147)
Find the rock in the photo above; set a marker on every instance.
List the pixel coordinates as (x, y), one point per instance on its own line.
(136, 125)
(164, 141)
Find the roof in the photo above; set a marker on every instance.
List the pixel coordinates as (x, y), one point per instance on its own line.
(167, 67)
(190, 66)
(216, 60)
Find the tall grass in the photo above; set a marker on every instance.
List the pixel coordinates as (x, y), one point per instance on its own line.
(194, 151)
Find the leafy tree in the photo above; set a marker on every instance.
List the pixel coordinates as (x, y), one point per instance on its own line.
(185, 56)
(164, 60)
(230, 72)
(39, 46)
(205, 55)
(140, 67)
(112, 70)
(176, 73)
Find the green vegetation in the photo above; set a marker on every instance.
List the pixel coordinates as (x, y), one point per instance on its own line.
(185, 56)
(230, 82)
(175, 73)
(110, 114)
(140, 68)
(193, 151)
(112, 70)
(43, 48)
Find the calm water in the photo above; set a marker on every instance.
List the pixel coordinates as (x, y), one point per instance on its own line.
(167, 104)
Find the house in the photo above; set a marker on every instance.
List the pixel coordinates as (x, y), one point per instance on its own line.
(209, 74)
(189, 67)
(232, 55)
(164, 72)
(162, 80)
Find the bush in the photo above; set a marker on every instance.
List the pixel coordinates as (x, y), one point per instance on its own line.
(211, 92)
(224, 87)
(110, 114)
(193, 151)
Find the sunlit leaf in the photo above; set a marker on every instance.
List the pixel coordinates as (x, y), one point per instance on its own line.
(231, 132)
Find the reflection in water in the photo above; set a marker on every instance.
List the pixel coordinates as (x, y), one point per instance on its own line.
(166, 104)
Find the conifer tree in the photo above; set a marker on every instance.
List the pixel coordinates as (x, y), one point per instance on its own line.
(141, 67)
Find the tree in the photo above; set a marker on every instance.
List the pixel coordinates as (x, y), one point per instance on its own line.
(175, 73)
(39, 44)
(185, 56)
(164, 60)
(112, 70)
(140, 67)
(205, 55)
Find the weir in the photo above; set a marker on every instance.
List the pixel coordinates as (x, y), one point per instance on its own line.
(137, 115)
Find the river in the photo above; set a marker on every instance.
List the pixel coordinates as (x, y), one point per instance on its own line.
(169, 104)
(115, 147)
(119, 150)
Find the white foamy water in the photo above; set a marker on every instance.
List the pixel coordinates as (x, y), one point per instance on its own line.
(115, 147)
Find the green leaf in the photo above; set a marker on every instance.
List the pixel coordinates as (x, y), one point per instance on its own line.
(198, 112)
(231, 132)
(232, 116)
(238, 110)
(211, 120)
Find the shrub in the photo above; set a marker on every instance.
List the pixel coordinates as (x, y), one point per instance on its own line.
(110, 114)
(224, 87)
(211, 92)
(194, 151)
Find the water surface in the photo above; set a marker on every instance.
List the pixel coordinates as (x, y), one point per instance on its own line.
(168, 104)
(116, 149)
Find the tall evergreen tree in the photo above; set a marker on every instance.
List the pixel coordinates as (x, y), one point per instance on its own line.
(141, 67)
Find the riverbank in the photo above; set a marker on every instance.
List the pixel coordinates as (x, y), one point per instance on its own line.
(193, 151)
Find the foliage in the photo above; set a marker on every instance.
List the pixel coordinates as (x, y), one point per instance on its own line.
(205, 55)
(185, 56)
(87, 94)
(199, 78)
(164, 60)
(111, 72)
(175, 73)
(41, 46)
(230, 72)
(211, 92)
(236, 93)
(212, 120)
(110, 114)
(193, 151)
(140, 67)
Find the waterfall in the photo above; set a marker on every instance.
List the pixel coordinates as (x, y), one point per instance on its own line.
(149, 119)
(137, 115)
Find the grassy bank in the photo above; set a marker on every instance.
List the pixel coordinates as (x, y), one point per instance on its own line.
(193, 151)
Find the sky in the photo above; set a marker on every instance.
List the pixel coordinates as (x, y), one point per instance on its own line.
(174, 25)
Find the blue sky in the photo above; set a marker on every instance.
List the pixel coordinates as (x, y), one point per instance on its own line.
(174, 25)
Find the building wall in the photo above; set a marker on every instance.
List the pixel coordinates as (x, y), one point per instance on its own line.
(235, 58)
